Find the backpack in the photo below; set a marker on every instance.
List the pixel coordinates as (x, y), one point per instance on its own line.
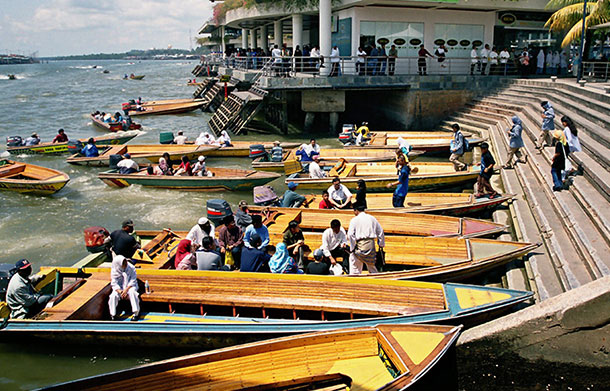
(467, 146)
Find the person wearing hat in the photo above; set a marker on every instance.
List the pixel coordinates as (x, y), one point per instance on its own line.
(253, 256)
(124, 241)
(363, 230)
(315, 172)
(61, 137)
(487, 170)
(292, 199)
(127, 165)
(317, 266)
(277, 153)
(21, 296)
(202, 229)
(199, 168)
(242, 216)
(90, 150)
(32, 140)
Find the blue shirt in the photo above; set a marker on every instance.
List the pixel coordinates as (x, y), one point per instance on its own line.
(457, 146)
(403, 177)
(263, 232)
(90, 150)
(254, 260)
(307, 157)
(292, 199)
(548, 122)
(487, 160)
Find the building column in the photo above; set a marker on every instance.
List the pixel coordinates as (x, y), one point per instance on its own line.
(297, 31)
(325, 35)
(277, 33)
(253, 38)
(264, 39)
(244, 38)
(223, 45)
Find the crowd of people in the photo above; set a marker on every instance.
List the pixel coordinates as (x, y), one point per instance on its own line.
(117, 118)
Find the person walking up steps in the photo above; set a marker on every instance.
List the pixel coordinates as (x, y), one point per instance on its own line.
(548, 124)
(457, 148)
(487, 170)
(515, 143)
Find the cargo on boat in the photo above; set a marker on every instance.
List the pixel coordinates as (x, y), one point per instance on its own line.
(143, 153)
(30, 179)
(388, 357)
(112, 126)
(72, 146)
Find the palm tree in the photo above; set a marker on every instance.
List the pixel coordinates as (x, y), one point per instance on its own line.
(569, 17)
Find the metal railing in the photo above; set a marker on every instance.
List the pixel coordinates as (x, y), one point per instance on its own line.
(596, 70)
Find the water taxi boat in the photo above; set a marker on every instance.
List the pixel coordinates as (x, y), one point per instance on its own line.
(11, 76)
(71, 146)
(212, 309)
(223, 179)
(143, 153)
(242, 148)
(30, 179)
(136, 77)
(431, 176)
(449, 204)
(112, 126)
(426, 142)
(172, 108)
(389, 357)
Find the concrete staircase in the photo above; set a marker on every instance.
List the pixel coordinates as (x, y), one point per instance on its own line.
(235, 113)
(573, 225)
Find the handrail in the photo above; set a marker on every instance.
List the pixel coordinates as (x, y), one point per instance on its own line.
(599, 70)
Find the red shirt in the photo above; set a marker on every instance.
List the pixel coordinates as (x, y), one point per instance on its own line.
(325, 205)
(61, 138)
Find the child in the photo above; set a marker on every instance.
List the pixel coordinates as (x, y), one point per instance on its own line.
(487, 170)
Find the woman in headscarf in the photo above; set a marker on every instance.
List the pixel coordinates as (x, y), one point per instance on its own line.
(163, 166)
(515, 143)
(281, 262)
(224, 140)
(169, 170)
(124, 283)
(185, 256)
(403, 145)
(559, 160)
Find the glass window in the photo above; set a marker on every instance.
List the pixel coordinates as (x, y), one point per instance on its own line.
(458, 38)
(406, 36)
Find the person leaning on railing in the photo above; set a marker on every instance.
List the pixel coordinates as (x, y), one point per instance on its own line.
(360, 68)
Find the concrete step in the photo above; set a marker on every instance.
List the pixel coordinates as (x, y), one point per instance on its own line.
(587, 94)
(490, 107)
(466, 120)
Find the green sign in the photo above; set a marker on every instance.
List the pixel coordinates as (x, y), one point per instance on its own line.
(225, 78)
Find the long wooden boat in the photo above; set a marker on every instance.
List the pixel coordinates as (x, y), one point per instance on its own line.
(424, 143)
(393, 223)
(143, 153)
(175, 108)
(59, 148)
(112, 126)
(449, 204)
(203, 309)
(222, 179)
(389, 357)
(161, 102)
(405, 134)
(137, 77)
(431, 176)
(30, 179)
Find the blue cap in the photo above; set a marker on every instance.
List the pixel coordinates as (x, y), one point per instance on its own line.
(127, 156)
(292, 185)
(22, 264)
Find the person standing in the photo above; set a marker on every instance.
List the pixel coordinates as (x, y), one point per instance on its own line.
(298, 59)
(422, 62)
(392, 55)
(474, 59)
(493, 61)
(571, 133)
(559, 160)
(360, 68)
(363, 230)
(556, 63)
(487, 170)
(276, 55)
(563, 63)
(484, 59)
(548, 124)
(339, 194)
(383, 60)
(123, 240)
(335, 58)
(124, 284)
(402, 184)
(515, 143)
(524, 62)
(373, 61)
(22, 298)
(504, 56)
(457, 149)
(441, 54)
(540, 62)
(361, 193)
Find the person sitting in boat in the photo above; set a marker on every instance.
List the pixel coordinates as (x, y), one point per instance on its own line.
(361, 193)
(325, 203)
(277, 153)
(224, 140)
(96, 114)
(185, 168)
(108, 118)
(125, 76)
(292, 199)
(123, 241)
(21, 296)
(207, 257)
(165, 164)
(254, 257)
(117, 117)
(242, 216)
(127, 165)
(132, 76)
(61, 137)
(90, 150)
(153, 170)
(403, 145)
(231, 239)
(315, 172)
(185, 258)
(126, 122)
(202, 229)
(256, 228)
(282, 263)
(307, 151)
(124, 283)
(205, 139)
(318, 267)
(339, 195)
(295, 242)
(199, 169)
(32, 140)
(180, 139)
(335, 245)
(364, 131)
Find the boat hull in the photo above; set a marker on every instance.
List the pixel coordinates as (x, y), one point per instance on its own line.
(45, 188)
(31, 179)
(112, 126)
(62, 148)
(167, 109)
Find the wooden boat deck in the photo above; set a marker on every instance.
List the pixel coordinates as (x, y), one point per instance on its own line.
(174, 108)
(84, 303)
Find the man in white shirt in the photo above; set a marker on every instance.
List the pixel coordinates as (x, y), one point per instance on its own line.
(335, 244)
(363, 230)
(474, 59)
(339, 195)
(199, 169)
(493, 62)
(504, 56)
(202, 229)
(315, 171)
(360, 61)
(127, 165)
(276, 54)
(484, 59)
(180, 139)
(334, 61)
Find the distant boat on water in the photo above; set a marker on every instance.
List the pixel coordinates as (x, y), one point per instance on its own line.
(12, 77)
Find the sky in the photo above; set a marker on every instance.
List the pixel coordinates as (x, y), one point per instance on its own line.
(66, 27)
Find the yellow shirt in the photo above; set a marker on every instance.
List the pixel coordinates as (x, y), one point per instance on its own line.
(364, 131)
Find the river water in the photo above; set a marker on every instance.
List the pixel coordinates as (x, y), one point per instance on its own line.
(49, 230)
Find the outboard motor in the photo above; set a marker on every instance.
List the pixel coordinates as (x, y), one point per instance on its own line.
(265, 196)
(257, 150)
(347, 134)
(14, 141)
(75, 146)
(94, 239)
(218, 210)
(6, 272)
(114, 160)
(166, 137)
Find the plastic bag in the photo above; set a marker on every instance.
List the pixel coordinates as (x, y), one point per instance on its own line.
(336, 269)
(229, 258)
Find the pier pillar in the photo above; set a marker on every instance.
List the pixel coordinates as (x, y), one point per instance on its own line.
(253, 38)
(309, 121)
(223, 45)
(278, 33)
(297, 31)
(325, 35)
(264, 39)
(244, 38)
(333, 121)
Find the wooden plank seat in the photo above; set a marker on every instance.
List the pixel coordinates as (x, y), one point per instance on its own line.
(11, 170)
(87, 302)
